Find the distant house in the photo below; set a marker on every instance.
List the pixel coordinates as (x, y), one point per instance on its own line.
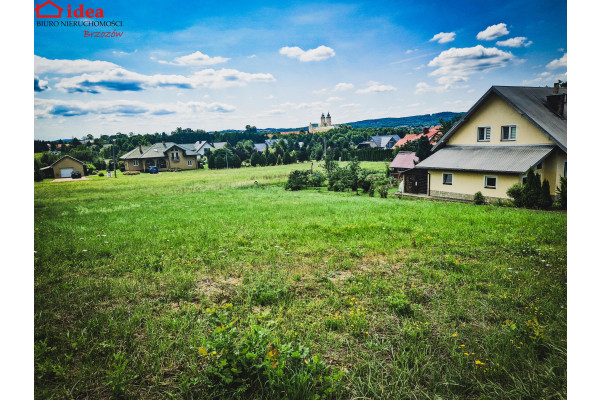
(218, 145)
(165, 155)
(202, 147)
(431, 134)
(508, 130)
(260, 147)
(381, 142)
(62, 168)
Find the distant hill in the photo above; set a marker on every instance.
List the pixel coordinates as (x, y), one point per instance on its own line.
(414, 121)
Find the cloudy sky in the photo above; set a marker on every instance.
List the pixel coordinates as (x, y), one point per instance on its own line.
(218, 65)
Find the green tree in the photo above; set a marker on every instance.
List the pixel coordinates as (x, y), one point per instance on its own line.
(423, 148)
(532, 190)
(546, 198)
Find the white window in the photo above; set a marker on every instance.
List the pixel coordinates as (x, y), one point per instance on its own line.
(490, 182)
(484, 133)
(447, 179)
(190, 163)
(509, 132)
(135, 163)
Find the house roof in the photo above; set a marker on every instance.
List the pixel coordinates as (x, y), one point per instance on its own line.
(260, 147)
(369, 143)
(506, 159)
(434, 130)
(67, 156)
(382, 141)
(530, 102)
(218, 145)
(404, 160)
(158, 150)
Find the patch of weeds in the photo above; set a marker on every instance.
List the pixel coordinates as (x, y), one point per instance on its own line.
(118, 377)
(247, 358)
(399, 305)
(267, 290)
(149, 264)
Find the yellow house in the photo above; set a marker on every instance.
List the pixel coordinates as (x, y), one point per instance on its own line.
(509, 130)
(63, 168)
(164, 156)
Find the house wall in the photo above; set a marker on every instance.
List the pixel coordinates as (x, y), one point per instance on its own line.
(67, 163)
(496, 113)
(182, 163)
(553, 168)
(466, 184)
(130, 167)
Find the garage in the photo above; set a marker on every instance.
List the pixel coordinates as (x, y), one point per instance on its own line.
(65, 172)
(63, 167)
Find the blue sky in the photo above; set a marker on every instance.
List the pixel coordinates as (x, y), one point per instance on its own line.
(223, 65)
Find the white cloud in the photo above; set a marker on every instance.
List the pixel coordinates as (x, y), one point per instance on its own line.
(51, 108)
(545, 78)
(196, 59)
(376, 87)
(493, 32)
(332, 99)
(318, 54)
(39, 85)
(519, 41)
(350, 105)
(252, 56)
(423, 87)
(558, 63)
(443, 37)
(44, 65)
(269, 97)
(456, 64)
(343, 86)
(123, 80)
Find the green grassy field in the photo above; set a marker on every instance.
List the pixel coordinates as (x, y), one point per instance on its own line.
(205, 284)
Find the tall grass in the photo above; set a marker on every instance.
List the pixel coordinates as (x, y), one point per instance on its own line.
(347, 296)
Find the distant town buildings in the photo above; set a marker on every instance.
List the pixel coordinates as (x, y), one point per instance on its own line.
(324, 126)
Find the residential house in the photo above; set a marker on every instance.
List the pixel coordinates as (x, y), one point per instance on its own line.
(508, 130)
(432, 133)
(165, 155)
(381, 142)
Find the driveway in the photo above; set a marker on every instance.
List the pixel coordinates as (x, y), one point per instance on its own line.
(83, 178)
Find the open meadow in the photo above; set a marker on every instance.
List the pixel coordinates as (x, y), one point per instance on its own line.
(221, 284)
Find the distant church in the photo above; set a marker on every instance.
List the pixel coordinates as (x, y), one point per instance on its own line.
(324, 126)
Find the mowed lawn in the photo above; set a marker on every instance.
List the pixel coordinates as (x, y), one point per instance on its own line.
(221, 284)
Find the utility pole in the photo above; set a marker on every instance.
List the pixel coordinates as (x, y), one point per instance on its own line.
(114, 162)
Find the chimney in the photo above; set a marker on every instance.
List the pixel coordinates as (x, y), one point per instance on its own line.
(556, 103)
(140, 148)
(163, 143)
(556, 86)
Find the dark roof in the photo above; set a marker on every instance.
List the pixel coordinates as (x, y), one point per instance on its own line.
(507, 159)
(382, 141)
(404, 160)
(158, 150)
(530, 102)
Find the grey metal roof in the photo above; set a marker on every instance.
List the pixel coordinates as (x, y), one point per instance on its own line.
(158, 150)
(382, 141)
(509, 159)
(530, 102)
(260, 147)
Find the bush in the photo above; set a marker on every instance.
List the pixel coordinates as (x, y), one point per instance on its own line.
(561, 192)
(383, 191)
(478, 198)
(101, 174)
(515, 192)
(300, 179)
(532, 190)
(546, 198)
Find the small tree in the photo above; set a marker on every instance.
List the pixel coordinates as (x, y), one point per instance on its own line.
(532, 190)
(254, 159)
(478, 198)
(561, 191)
(515, 192)
(545, 198)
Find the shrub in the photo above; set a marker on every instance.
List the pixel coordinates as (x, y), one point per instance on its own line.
(561, 192)
(101, 174)
(478, 198)
(383, 191)
(297, 180)
(546, 198)
(532, 190)
(515, 192)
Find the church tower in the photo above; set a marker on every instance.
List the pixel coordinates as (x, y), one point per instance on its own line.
(328, 123)
(322, 120)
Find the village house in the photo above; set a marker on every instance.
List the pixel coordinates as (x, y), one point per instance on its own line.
(432, 133)
(508, 130)
(165, 156)
(380, 142)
